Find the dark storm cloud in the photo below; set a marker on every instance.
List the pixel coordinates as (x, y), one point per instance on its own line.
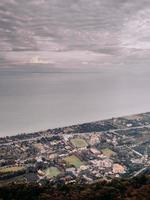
(48, 30)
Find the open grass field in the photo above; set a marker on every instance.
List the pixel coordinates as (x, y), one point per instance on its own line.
(73, 160)
(108, 152)
(52, 172)
(79, 142)
(8, 170)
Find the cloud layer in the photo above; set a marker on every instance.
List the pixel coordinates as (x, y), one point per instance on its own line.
(81, 32)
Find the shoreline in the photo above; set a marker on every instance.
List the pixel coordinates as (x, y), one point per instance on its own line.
(72, 125)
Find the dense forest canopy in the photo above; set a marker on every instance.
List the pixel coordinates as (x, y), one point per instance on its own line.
(119, 189)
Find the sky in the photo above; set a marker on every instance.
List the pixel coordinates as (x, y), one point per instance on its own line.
(74, 33)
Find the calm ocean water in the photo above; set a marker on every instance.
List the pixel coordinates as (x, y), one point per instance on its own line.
(36, 99)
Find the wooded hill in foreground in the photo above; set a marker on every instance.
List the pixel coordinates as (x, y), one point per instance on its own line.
(119, 189)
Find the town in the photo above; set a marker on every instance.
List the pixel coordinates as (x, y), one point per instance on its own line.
(102, 150)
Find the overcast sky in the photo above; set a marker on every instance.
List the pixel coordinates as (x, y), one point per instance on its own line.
(75, 32)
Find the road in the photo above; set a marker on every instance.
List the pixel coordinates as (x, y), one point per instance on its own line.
(109, 131)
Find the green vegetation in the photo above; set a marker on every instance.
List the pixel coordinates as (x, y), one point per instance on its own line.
(8, 170)
(108, 152)
(73, 160)
(128, 189)
(79, 142)
(52, 172)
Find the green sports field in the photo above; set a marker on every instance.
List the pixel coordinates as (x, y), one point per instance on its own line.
(52, 172)
(108, 152)
(8, 170)
(79, 142)
(73, 160)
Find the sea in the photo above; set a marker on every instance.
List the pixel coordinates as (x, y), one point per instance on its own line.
(38, 98)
